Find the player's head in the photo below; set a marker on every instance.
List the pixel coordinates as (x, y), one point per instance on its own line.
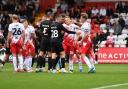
(43, 18)
(48, 16)
(14, 18)
(25, 22)
(59, 19)
(67, 20)
(83, 17)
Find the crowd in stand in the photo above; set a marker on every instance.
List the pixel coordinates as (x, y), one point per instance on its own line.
(24, 8)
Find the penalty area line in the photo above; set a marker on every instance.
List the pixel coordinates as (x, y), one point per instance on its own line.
(110, 86)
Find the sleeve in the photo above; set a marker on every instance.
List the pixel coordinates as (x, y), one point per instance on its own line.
(22, 27)
(61, 27)
(10, 27)
(32, 29)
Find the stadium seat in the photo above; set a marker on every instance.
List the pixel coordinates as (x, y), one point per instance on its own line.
(115, 37)
(123, 43)
(125, 35)
(121, 37)
(125, 31)
(123, 14)
(117, 43)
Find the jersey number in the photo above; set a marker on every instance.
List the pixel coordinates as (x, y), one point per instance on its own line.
(54, 33)
(17, 31)
(44, 31)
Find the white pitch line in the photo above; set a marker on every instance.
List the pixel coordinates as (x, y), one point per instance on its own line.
(109, 86)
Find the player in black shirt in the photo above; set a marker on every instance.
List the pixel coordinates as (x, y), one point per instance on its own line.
(45, 34)
(2, 50)
(57, 30)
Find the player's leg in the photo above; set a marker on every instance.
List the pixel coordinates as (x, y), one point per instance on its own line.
(71, 62)
(31, 53)
(89, 63)
(41, 57)
(14, 58)
(49, 61)
(85, 55)
(54, 62)
(93, 70)
(58, 63)
(29, 63)
(79, 62)
(40, 61)
(78, 56)
(19, 52)
(62, 55)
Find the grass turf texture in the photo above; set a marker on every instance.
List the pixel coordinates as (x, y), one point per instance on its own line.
(107, 74)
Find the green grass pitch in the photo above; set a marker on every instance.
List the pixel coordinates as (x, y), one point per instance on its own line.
(107, 74)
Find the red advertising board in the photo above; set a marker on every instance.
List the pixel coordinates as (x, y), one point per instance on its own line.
(113, 55)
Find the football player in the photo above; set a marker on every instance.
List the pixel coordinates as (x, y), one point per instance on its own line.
(16, 39)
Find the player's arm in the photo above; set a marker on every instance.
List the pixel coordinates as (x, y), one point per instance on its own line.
(23, 34)
(9, 36)
(65, 30)
(77, 23)
(33, 36)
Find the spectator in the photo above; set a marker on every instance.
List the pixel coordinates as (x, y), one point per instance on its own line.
(110, 11)
(30, 11)
(110, 40)
(126, 8)
(121, 22)
(120, 7)
(103, 11)
(126, 22)
(117, 28)
(79, 2)
(94, 12)
(64, 6)
(49, 9)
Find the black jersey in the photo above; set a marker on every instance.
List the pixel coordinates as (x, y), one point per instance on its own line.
(56, 30)
(2, 41)
(45, 30)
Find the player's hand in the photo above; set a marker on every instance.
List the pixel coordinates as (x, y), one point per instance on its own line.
(78, 32)
(7, 45)
(74, 43)
(24, 47)
(80, 43)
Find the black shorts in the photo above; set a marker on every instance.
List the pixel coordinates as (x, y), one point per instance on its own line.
(45, 45)
(8, 51)
(56, 46)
